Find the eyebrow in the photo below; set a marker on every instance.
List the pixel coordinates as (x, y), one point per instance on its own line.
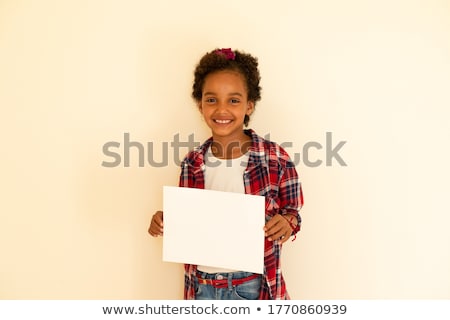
(231, 94)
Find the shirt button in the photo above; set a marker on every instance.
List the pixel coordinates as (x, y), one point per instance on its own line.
(219, 277)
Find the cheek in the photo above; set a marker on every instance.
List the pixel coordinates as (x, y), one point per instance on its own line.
(205, 112)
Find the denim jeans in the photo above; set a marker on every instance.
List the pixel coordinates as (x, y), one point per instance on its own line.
(248, 290)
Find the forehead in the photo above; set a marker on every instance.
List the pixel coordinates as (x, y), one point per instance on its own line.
(224, 79)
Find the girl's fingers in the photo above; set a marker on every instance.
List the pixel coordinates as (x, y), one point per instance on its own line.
(156, 224)
(277, 229)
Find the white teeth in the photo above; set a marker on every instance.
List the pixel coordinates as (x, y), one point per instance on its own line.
(222, 121)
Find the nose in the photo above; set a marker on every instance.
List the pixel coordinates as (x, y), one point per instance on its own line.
(222, 106)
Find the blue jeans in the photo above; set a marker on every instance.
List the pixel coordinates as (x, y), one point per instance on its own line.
(248, 290)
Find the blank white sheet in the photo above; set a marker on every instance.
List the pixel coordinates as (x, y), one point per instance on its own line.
(214, 228)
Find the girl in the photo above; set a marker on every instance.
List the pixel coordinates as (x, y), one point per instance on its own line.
(226, 89)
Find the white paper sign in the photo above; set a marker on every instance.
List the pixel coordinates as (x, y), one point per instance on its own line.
(214, 228)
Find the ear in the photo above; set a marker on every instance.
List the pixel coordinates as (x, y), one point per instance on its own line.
(250, 107)
(199, 105)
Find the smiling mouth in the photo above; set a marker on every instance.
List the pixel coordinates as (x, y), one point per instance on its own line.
(222, 121)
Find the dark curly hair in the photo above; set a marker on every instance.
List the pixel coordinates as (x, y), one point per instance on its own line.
(241, 62)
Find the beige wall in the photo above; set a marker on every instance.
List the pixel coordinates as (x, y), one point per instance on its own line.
(77, 74)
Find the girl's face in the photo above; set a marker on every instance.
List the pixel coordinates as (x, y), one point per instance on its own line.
(224, 104)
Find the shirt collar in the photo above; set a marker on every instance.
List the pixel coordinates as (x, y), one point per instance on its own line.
(256, 151)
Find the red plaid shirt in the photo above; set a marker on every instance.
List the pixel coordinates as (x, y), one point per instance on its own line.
(271, 173)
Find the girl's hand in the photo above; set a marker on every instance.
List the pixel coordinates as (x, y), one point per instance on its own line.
(278, 228)
(156, 225)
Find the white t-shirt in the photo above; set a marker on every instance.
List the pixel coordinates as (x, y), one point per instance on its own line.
(223, 175)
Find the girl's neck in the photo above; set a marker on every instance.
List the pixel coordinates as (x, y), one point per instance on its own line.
(230, 148)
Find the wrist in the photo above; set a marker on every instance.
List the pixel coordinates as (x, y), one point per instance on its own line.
(293, 223)
(292, 219)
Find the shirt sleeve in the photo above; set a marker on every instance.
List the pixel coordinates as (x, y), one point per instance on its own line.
(290, 190)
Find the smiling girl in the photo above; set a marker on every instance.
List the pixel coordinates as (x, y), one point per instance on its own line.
(226, 89)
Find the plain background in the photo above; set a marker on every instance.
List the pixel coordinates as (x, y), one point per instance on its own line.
(75, 75)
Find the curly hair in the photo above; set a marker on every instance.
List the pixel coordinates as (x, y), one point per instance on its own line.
(241, 62)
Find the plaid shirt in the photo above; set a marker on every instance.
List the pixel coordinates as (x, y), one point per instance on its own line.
(270, 173)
